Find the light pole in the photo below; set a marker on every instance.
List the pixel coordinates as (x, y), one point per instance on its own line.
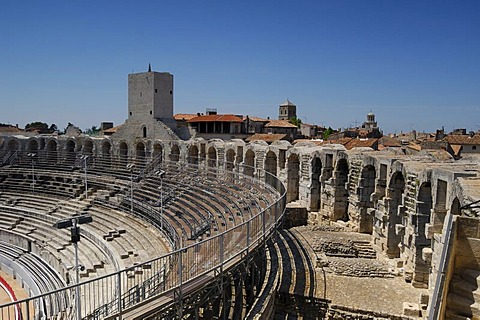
(85, 158)
(32, 156)
(73, 223)
(130, 167)
(161, 173)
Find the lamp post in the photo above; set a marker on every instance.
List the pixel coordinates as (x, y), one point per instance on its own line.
(130, 167)
(85, 158)
(32, 156)
(161, 173)
(73, 223)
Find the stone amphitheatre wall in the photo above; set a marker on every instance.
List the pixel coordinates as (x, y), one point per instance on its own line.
(401, 200)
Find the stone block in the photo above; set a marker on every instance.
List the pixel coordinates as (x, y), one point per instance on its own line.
(429, 231)
(424, 298)
(411, 309)
(427, 255)
(400, 229)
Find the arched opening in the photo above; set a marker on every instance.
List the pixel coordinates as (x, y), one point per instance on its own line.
(395, 210)
(315, 185)
(140, 152)
(12, 145)
(70, 151)
(230, 156)
(106, 152)
(270, 168)
(249, 163)
(366, 188)
(293, 178)
(340, 207)
(192, 154)
(144, 131)
(88, 147)
(424, 209)
(52, 150)
(106, 149)
(175, 153)
(455, 208)
(212, 157)
(32, 145)
(123, 153)
(158, 152)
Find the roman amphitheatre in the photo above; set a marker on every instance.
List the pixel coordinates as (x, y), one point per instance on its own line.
(165, 228)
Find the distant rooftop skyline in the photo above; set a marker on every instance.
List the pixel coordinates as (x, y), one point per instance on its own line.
(414, 64)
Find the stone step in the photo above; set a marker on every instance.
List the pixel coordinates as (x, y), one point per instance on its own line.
(471, 275)
(462, 305)
(464, 288)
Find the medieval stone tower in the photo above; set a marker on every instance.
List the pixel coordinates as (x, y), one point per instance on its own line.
(287, 110)
(150, 95)
(150, 107)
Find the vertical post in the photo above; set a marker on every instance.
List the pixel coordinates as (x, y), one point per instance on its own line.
(131, 191)
(161, 201)
(86, 185)
(77, 273)
(119, 294)
(33, 176)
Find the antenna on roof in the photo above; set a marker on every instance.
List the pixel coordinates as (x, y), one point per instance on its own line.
(149, 68)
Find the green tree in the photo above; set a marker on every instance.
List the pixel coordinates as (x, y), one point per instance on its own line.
(327, 133)
(295, 121)
(92, 131)
(37, 125)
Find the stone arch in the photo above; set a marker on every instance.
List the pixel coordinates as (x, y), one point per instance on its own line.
(193, 154)
(230, 159)
(366, 188)
(88, 147)
(175, 153)
(51, 150)
(424, 209)
(70, 150)
(395, 210)
(123, 151)
(315, 185)
(13, 145)
(70, 146)
(293, 178)
(340, 207)
(270, 167)
(140, 150)
(158, 151)
(32, 145)
(249, 163)
(212, 157)
(455, 207)
(106, 149)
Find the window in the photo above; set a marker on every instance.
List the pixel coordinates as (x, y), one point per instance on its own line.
(150, 111)
(474, 147)
(156, 90)
(171, 91)
(144, 132)
(141, 95)
(130, 112)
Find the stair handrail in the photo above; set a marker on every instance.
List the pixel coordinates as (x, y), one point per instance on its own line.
(438, 290)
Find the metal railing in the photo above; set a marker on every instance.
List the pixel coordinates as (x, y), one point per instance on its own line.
(164, 280)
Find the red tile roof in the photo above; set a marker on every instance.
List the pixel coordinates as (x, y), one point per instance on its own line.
(184, 116)
(463, 139)
(216, 118)
(280, 124)
(267, 137)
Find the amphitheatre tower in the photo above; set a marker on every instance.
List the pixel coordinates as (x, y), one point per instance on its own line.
(150, 107)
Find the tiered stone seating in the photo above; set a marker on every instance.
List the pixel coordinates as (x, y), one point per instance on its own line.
(45, 278)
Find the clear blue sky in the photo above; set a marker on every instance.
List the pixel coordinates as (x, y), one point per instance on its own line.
(415, 64)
